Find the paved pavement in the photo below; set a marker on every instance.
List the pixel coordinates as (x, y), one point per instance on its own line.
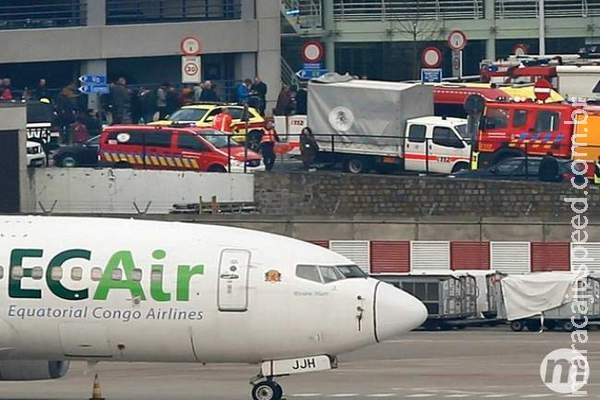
(470, 364)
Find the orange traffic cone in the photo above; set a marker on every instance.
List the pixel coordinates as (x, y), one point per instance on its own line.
(96, 393)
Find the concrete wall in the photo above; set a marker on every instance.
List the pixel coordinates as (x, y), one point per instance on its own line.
(101, 191)
(391, 228)
(115, 41)
(332, 194)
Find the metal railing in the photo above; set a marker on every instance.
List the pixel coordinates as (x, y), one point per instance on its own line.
(553, 8)
(384, 10)
(288, 76)
(303, 14)
(42, 14)
(160, 11)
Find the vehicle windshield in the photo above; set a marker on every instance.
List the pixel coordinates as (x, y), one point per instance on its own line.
(187, 115)
(462, 131)
(328, 273)
(216, 138)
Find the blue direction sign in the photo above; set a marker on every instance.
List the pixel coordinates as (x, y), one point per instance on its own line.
(311, 73)
(97, 89)
(94, 79)
(431, 75)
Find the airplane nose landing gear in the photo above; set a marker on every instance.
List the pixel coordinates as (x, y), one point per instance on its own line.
(267, 390)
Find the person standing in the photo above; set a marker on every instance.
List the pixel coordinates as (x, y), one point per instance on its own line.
(223, 121)
(267, 144)
(121, 102)
(284, 101)
(597, 172)
(548, 171)
(208, 93)
(259, 89)
(161, 100)
(41, 91)
(6, 93)
(243, 91)
(308, 148)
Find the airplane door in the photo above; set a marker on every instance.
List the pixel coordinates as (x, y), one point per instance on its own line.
(414, 148)
(233, 280)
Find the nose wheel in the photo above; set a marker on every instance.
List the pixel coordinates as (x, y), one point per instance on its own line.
(267, 390)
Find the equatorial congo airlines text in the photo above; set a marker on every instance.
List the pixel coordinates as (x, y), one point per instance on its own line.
(122, 260)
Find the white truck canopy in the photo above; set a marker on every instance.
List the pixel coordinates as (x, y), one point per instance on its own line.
(345, 107)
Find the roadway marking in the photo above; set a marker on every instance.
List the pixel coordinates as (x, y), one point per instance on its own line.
(306, 395)
(458, 395)
(532, 396)
(498, 395)
(382, 395)
(338, 395)
(420, 395)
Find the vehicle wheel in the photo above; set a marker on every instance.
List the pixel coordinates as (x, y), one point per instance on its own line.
(568, 326)
(216, 168)
(517, 326)
(268, 390)
(68, 162)
(355, 166)
(460, 167)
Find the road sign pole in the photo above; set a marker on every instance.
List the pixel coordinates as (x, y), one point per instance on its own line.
(460, 60)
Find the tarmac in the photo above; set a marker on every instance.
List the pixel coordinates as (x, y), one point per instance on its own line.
(476, 363)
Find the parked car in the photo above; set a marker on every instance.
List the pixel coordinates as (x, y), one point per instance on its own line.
(36, 157)
(203, 115)
(78, 155)
(175, 148)
(516, 169)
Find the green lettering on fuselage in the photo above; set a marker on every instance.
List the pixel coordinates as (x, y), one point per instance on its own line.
(121, 259)
(14, 286)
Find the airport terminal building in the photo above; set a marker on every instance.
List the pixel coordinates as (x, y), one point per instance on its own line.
(378, 38)
(139, 39)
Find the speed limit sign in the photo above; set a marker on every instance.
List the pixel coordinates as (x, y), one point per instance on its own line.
(457, 40)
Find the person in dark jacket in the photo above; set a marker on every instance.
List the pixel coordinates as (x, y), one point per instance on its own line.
(259, 89)
(301, 99)
(548, 171)
(208, 93)
(308, 148)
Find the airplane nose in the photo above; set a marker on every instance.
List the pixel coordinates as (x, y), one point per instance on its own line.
(396, 311)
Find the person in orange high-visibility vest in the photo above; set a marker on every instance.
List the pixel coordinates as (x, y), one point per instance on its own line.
(223, 121)
(267, 144)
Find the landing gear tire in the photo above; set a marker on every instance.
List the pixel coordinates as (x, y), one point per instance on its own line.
(267, 390)
(568, 326)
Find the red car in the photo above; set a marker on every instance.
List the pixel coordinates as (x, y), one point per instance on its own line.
(174, 148)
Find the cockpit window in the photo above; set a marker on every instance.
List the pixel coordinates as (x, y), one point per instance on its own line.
(330, 274)
(351, 271)
(309, 272)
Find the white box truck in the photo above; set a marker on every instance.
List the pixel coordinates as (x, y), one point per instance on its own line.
(384, 125)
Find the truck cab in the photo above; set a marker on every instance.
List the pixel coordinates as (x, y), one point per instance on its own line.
(436, 144)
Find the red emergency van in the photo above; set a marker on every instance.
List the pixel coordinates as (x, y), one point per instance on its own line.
(174, 148)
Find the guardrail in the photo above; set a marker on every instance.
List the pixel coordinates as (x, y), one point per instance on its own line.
(161, 11)
(43, 14)
(553, 8)
(386, 10)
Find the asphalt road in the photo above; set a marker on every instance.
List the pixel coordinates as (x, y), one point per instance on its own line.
(470, 364)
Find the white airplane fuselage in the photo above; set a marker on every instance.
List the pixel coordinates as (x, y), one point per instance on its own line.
(127, 290)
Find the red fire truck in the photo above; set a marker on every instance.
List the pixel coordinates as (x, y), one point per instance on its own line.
(510, 129)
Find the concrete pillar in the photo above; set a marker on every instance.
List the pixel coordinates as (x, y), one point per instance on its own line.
(329, 37)
(96, 13)
(490, 16)
(13, 159)
(93, 67)
(268, 60)
(245, 66)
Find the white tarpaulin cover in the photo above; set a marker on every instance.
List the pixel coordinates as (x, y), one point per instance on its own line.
(528, 295)
(346, 107)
